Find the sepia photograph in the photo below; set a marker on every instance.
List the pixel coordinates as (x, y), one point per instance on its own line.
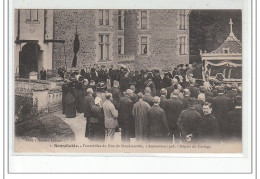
(127, 81)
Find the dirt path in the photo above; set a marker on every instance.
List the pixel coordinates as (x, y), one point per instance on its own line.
(78, 125)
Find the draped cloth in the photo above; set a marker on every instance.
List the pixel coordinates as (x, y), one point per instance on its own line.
(140, 110)
(227, 63)
(76, 49)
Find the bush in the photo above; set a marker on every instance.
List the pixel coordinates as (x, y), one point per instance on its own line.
(25, 108)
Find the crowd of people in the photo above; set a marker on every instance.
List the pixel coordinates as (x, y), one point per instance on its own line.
(154, 107)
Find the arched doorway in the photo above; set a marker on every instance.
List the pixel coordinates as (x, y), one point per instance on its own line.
(29, 59)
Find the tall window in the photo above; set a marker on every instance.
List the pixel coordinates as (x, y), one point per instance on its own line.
(143, 19)
(183, 20)
(103, 17)
(103, 47)
(120, 45)
(143, 45)
(120, 20)
(182, 45)
(31, 15)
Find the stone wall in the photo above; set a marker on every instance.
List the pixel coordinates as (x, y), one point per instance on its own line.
(65, 22)
(163, 44)
(163, 38)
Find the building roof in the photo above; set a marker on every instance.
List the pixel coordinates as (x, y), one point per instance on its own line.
(230, 46)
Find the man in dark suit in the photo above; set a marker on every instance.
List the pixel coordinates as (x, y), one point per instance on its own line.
(209, 128)
(43, 74)
(233, 128)
(125, 117)
(111, 73)
(175, 85)
(163, 97)
(186, 98)
(124, 82)
(134, 97)
(194, 91)
(83, 71)
(166, 81)
(116, 93)
(147, 96)
(188, 124)
(157, 127)
(157, 82)
(88, 102)
(173, 108)
(229, 92)
(221, 105)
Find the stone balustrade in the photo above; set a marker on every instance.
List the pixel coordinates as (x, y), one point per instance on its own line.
(47, 92)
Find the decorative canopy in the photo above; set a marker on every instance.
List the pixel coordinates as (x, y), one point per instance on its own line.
(225, 60)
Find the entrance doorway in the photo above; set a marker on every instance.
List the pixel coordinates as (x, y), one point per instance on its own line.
(29, 59)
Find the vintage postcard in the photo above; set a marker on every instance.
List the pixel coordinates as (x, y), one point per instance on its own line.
(129, 80)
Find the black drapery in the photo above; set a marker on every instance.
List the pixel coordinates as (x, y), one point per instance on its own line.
(76, 49)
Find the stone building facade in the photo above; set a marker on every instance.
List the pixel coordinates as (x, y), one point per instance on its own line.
(33, 30)
(141, 39)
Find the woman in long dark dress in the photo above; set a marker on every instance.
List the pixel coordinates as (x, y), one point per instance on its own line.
(97, 126)
(64, 94)
(80, 97)
(70, 109)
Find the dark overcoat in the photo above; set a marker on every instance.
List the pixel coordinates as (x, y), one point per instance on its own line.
(157, 126)
(125, 118)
